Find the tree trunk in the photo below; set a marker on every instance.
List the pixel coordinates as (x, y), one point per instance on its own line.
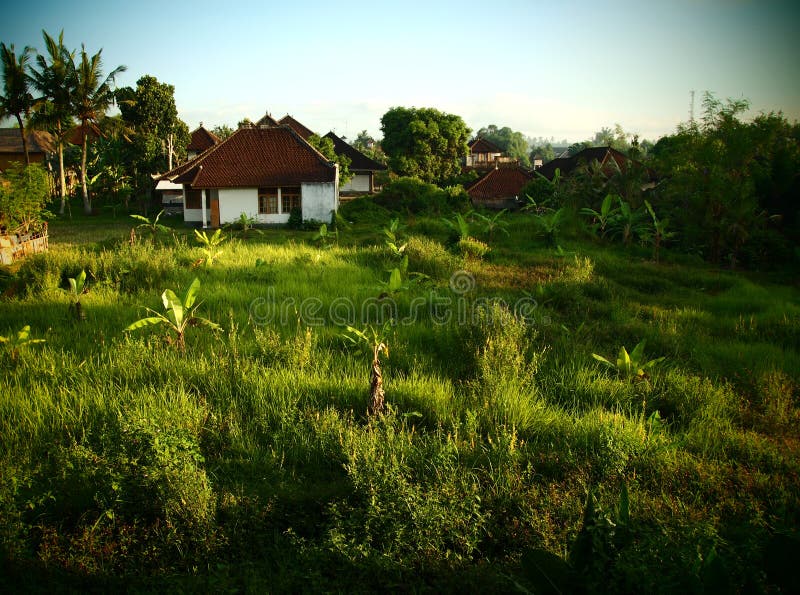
(24, 140)
(376, 394)
(87, 203)
(61, 177)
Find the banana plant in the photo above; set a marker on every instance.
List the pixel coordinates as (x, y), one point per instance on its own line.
(494, 223)
(209, 246)
(627, 223)
(550, 224)
(21, 340)
(633, 365)
(375, 341)
(659, 233)
(77, 287)
(152, 226)
(459, 224)
(179, 314)
(393, 237)
(326, 236)
(602, 217)
(245, 223)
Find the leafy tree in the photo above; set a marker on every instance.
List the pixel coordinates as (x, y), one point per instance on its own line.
(16, 99)
(364, 141)
(514, 144)
(545, 151)
(424, 142)
(93, 96)
(55, 81)
(223, 131)
(325, 146)
(151, 111)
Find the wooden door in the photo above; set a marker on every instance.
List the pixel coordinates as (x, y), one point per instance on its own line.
(215, 212)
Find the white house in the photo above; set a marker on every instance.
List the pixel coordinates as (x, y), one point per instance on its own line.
(263, 172)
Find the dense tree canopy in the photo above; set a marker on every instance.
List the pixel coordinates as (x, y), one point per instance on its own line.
(150, 110)
(424, 142)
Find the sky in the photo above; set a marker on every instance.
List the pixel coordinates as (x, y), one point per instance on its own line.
(556, 69)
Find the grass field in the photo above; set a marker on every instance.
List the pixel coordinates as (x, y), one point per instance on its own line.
(510, 460)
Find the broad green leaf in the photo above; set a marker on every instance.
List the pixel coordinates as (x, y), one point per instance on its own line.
(637, 355)
(24, 333)
(624, 360)
(142, 322)
(190, 295)
(603, 360)
(605, 208)
(395, 280)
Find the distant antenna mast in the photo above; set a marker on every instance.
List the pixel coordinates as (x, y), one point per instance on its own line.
(691, 106)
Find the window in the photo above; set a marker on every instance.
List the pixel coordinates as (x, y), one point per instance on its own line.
(194, 199)
(290, 199)
(267, 201)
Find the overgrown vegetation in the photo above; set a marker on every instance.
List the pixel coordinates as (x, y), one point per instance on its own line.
(506, 458)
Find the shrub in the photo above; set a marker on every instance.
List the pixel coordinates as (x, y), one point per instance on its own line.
(430, 257)
(23, 194)
(295, 219)
(414, 196)
(364, 210)
(472, 248)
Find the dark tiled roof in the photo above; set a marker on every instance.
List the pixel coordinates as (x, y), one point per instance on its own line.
(481, 145)
(38, 141)
(267, 120)
(202, 139)
(505, 182)
(607, 157)
(256, 157)
(287, 120)
(358, 161)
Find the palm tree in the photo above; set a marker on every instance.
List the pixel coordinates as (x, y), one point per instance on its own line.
(53, 110)
(16, 99)
(92, 97)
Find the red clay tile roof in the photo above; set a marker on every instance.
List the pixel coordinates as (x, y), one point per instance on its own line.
(267, 120)
(38, 141)
(287, 120)
(358, 161)
(505, 182)
(202, 139)
(481, 145)
(255, 157)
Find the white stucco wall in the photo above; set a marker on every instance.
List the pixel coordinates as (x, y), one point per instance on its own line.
(319, 200)
(358, 183)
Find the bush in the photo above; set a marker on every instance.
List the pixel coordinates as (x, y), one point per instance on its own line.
(430, 257)
(295, 219)
(414, 196)
(472, 248)
(23, 194)
(364, 210)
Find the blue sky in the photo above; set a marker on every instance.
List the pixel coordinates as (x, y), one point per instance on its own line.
(560, 69)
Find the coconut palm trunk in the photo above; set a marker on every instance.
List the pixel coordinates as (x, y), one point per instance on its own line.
(87, 201)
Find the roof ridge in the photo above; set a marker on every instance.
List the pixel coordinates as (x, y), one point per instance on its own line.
(321, 157)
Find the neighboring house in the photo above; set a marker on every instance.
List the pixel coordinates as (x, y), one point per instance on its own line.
(537, 161)
(482, 153)
(610, 161)
(262, 172)
(304, 132)
(40, 143)
(362, 167)
(267, 120)
(201, 139)
(499, 188)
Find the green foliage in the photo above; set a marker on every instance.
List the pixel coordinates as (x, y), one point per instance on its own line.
(326, 237)
(550, 224)
(633, 365)
(14, 343)
(209, 246)
(376, 342)
(459, 225)
(246, 223)
(24, 192)
(602, 218)
(493, 223)
(77, 287)
(410, 195)
(295, 218)
(394, 236)
(325, 146)
(424, 143)
(154, 227)
(16, 99)
(179, 314)
(473, 248)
